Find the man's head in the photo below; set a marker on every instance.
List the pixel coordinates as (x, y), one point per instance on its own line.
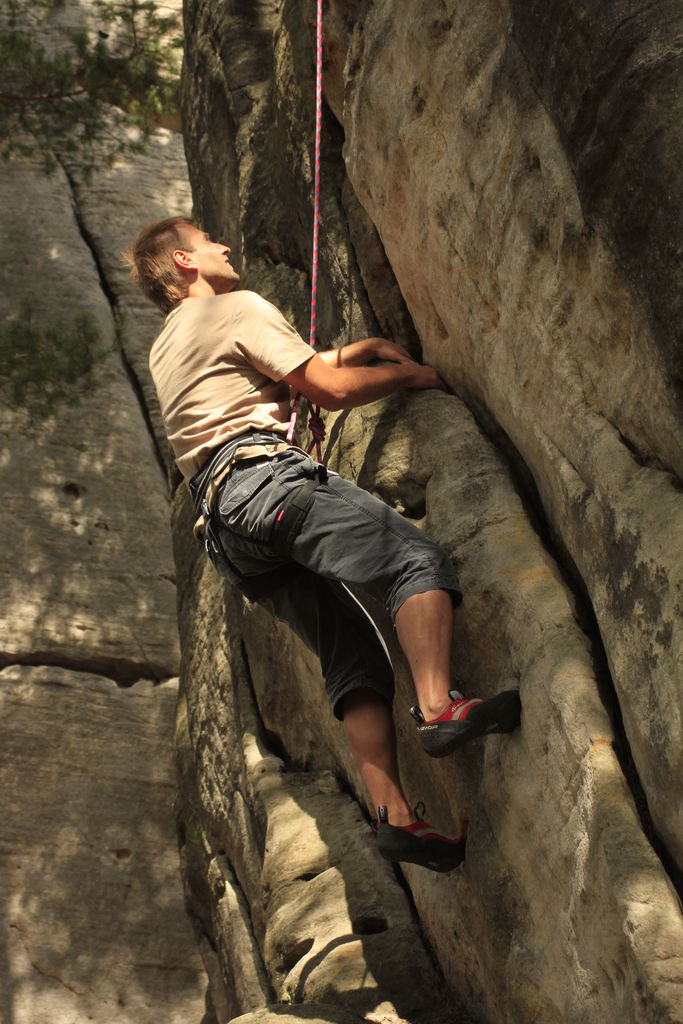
(173, 259)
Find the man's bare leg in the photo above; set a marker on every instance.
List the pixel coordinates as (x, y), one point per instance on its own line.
(401, 837)
(369, 728)
(424, 626)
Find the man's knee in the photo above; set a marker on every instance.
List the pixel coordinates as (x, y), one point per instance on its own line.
(366, 694)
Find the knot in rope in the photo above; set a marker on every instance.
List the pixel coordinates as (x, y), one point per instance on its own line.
(316, 426)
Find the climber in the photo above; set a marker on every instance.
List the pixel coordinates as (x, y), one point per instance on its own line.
(293, 535)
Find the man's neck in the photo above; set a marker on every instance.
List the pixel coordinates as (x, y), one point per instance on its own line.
(200, 289)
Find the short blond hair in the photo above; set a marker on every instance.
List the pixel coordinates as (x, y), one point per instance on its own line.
(151, 261)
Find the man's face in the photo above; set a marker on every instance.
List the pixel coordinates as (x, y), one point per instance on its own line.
(211, 260)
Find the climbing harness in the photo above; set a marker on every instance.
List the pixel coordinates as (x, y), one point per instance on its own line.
(315, 423)
(205, 484)
(204, 488)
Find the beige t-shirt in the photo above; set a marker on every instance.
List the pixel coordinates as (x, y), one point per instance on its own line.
(218, 365)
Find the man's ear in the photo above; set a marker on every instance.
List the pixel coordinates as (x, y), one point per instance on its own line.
(184, 260)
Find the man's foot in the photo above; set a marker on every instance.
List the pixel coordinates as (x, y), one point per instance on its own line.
(418, 843)
(465, 718)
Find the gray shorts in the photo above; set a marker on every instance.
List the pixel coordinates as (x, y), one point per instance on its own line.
(348, 538)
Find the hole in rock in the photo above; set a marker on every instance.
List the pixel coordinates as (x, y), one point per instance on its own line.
(414, 507)
(73, 489)
(296, 953)
(307, 877)
(369, 925)
(122, 854)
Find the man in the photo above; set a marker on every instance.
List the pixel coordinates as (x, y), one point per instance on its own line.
(290, 534)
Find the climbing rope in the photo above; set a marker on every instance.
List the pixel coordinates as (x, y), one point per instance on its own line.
(315, 423)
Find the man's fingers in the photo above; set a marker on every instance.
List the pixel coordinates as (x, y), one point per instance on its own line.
(425, 377)
(391, 352)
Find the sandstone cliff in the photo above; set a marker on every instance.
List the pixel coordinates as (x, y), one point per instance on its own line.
(93, 922)
(500, 193)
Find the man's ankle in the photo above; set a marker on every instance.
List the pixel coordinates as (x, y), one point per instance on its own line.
(435, 708)
(399, 816)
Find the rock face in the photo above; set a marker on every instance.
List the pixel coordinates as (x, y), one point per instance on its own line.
(527, 303)
(92, 925)
(499, 193)
(614, 94)
(87, 575)
(93, 922)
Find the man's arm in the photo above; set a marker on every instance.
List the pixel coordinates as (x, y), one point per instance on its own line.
(359, 353)
(345, 387)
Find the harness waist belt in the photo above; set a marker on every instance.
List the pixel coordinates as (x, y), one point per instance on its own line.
(223, 456)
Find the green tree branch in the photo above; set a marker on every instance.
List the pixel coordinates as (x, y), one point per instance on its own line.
(58, 85)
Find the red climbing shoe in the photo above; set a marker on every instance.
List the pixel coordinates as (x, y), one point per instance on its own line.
(418, 843)
(465, 718)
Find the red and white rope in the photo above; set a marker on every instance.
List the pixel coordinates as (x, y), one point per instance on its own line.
(315, 423)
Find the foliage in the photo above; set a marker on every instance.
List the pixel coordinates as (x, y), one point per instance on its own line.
(59, 82)
(43, 367)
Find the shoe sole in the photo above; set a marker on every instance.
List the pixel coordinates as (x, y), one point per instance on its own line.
(396, 847)
(499, 714)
